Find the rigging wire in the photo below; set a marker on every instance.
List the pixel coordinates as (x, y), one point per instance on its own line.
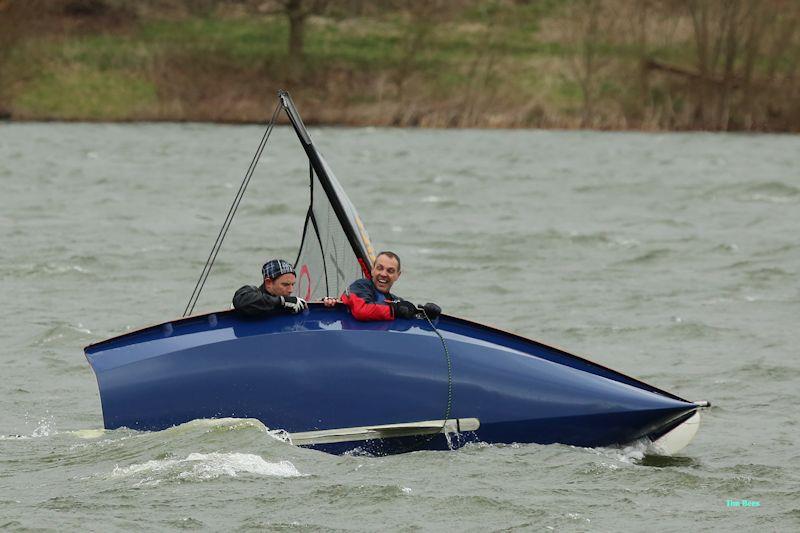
(223, 231)
(448, 409)
(420, 443)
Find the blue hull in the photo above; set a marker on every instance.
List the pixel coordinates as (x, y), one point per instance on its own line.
(323, 370)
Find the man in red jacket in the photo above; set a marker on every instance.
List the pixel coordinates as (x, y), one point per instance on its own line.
(371, 299)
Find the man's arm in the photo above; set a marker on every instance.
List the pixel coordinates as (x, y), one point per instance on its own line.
(251, 301)
(360, 299)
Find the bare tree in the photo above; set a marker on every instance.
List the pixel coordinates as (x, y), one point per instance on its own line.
(732, 39)
(422, 18)
(483, 66)
(589, 23)
(298, 11)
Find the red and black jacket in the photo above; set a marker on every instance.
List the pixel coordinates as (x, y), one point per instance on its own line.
(362, 299)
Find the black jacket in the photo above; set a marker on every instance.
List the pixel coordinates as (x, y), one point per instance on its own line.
(256, 301)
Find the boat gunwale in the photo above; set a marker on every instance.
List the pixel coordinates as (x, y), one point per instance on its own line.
(567, 353)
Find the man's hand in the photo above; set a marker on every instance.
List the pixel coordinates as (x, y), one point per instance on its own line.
(330, 301)
(404, 309)
(432, 310)
(293, 303)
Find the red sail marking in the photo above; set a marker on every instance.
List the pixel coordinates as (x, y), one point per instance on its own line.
(364, 269)
(304, 272)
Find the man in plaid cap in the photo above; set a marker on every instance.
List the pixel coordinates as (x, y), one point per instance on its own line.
(272, 296)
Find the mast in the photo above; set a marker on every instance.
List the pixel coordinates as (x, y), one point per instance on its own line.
(350, 222)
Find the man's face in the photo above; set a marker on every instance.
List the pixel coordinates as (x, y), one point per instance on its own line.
(385, 272)
(281, 286)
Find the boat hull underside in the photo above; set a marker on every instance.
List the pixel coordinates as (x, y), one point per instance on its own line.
(321, 370)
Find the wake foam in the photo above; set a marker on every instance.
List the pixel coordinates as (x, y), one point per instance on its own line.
(631, 453)
(217, 425)
(203, 467)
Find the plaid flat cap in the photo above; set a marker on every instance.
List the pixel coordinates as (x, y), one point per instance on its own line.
(275, 268)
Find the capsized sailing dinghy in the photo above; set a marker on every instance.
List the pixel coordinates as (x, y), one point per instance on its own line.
(337, 384)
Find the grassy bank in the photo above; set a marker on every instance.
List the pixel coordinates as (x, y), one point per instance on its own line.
(461, 64)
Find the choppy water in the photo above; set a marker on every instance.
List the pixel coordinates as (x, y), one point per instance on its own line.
(672, 258)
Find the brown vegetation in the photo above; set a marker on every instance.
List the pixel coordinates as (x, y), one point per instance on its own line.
(647, 64)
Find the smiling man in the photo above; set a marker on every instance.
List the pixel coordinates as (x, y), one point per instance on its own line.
(371, 299)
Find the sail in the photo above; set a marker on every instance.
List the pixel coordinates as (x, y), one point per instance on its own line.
(335, 249)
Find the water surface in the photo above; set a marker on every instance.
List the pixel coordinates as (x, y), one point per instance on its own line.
(672, 257)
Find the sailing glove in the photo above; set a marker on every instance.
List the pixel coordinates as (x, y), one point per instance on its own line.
(293, 303)
(431, 310)
(403, 309)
